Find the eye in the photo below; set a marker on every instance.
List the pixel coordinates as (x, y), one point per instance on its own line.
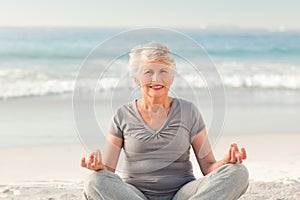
(148, 72)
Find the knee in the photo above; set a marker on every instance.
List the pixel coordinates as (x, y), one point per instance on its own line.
(98, 179)
(238, 174)
(92, 179)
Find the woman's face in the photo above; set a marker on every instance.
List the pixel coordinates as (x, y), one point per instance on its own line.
(155, 78)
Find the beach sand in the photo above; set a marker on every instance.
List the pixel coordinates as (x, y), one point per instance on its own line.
(53, 172)
(62, 190)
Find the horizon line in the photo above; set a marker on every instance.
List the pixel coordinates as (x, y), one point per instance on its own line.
(207, 28)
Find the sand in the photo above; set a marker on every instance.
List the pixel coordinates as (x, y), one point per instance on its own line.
(53, 171)
(59, 190)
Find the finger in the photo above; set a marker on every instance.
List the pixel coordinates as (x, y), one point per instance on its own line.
(233, 156)
(95, 158)
(227, 157)
(83, 162)
(238, 154)
(239, 158)
(244, 154)
(89, 165)
(91, 158)
(229, 154)
(236, 151)
(90, 161)
(236, 148)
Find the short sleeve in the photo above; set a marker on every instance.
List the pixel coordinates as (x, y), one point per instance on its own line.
(114, 127)
(197, 121)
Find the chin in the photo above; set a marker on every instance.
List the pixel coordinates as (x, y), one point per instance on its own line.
(157, 95)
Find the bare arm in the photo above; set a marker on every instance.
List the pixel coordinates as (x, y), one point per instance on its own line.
(110, 157)
(206, 158)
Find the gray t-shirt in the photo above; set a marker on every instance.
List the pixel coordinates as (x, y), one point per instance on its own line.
(157, 162)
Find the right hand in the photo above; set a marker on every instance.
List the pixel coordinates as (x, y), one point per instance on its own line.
(94, 162)
(235, 155)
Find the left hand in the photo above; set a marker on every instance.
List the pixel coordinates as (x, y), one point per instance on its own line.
(234, 155)
(94, 162)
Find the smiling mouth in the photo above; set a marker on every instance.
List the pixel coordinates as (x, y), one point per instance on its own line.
(156, 86)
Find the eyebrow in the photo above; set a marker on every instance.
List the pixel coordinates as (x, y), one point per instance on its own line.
(147, 69)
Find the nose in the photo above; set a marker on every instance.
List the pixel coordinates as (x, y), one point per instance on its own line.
(154, 77)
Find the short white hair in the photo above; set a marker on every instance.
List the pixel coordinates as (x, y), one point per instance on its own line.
(149, 52)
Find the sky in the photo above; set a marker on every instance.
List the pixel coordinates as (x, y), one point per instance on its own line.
(261, 14)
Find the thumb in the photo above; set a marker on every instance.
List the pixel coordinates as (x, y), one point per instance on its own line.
(227, 157)
(83, 163)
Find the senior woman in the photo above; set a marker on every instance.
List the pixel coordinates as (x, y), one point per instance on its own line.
(156, 133)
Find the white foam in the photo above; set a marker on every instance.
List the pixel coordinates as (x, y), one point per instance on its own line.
(19, 82)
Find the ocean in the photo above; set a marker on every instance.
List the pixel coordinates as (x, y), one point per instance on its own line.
(259, 69)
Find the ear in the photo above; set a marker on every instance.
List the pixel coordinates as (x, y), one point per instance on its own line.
(137, 81)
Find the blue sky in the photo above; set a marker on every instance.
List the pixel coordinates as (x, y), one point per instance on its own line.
(266, 14)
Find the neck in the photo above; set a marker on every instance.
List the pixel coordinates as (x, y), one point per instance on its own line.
(148, 102)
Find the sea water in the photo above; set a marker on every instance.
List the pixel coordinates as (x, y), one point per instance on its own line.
(259, 69)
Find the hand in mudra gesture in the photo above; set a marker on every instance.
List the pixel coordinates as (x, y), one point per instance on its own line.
(94, 162)
(235, 155)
